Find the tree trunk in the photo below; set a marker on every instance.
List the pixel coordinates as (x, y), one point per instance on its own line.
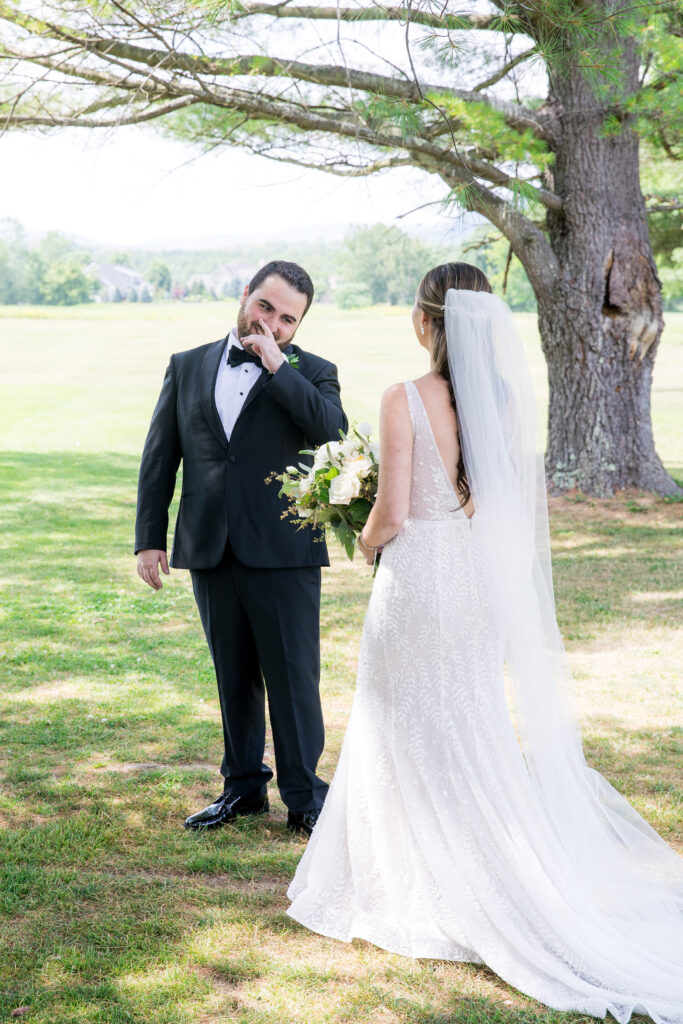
(601, 322)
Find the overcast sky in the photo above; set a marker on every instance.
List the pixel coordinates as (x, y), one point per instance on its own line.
(132, 187)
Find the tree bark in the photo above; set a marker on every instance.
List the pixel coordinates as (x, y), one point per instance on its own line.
(601, 322)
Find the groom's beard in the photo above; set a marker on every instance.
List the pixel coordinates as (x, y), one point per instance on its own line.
(245, 327)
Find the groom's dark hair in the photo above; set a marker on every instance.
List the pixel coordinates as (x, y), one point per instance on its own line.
(292, 273)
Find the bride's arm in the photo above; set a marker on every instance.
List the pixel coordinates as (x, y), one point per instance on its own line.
(395, 467)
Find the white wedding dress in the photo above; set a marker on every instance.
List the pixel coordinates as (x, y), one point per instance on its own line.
(434, 841)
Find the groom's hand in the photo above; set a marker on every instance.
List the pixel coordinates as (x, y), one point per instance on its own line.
(148, 567)
(265, 347)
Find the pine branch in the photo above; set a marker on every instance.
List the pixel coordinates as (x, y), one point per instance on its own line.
(339, 167)
(482, 243)
(380, 12)
(516, 116)
(519, 59)
(666, 145)
(80, 120)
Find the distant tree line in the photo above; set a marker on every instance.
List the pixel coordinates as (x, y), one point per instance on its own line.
(51, 273)
(384, 265)
(373, 265)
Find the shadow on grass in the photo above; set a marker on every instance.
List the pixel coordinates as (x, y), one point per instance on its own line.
(112, 912)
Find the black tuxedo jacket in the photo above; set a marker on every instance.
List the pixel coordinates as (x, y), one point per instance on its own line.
(224, 493)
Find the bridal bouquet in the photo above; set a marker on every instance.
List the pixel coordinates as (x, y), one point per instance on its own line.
(339, 489)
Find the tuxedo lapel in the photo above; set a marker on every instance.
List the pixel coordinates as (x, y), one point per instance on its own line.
(207, 388)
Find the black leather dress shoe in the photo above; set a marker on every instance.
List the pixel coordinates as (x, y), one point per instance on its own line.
(303, 824)
(225, 809)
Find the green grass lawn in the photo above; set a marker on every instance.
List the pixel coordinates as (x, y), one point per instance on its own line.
(109, 911)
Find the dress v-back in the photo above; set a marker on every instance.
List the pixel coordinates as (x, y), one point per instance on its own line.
(432, 841)
(432, 495)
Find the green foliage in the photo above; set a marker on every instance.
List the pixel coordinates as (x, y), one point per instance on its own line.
(491, 256)
(51, 274)
(353, 295)
(121, 257)
(208, 126)
(54, 246)
(462, 195)
(386, 115)
(658, 106)
(384, 263)
(233, 289)
(14, 285)
(479, 126)
(198, 289)
(666, 236)
(66, 284)
(662, 184)
(159, 275)
(671, 275)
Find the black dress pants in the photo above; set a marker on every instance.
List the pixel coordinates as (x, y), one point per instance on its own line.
(264, 625)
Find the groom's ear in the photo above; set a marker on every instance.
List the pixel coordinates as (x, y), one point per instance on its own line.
(245, 293)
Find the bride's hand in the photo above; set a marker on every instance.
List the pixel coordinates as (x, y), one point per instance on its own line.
(368, 552)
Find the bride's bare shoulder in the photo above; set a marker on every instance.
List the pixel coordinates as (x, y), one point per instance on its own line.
(395, 394)
(394, 401)
(395, 425)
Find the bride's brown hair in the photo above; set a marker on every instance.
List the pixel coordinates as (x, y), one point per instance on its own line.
(431, 297)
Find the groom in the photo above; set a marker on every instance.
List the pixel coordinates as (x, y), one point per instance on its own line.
(235, 411)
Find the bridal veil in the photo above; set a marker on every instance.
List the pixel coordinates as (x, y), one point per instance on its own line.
(630, 876)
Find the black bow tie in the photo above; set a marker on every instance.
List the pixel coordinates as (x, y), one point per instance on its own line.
(237, 356)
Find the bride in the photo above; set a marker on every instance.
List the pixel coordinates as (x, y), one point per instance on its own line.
(462, 825)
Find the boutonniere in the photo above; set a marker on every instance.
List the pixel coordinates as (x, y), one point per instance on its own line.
(293, 361)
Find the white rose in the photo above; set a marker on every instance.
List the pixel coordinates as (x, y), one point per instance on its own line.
(344, 489)
(374, 450)
(305, 513)
(365, 429)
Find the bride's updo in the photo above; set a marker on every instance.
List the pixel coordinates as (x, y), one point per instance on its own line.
(431, 298)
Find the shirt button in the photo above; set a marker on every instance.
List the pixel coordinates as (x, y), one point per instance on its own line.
(231, 458)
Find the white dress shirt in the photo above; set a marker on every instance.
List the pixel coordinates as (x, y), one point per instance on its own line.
(233, 384)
